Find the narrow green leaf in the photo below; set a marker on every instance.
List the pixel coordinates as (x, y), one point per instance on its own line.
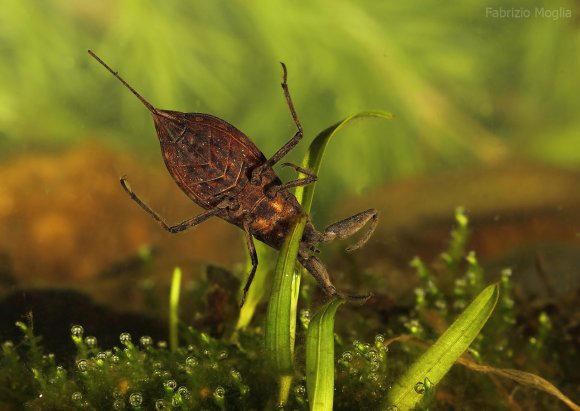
(281, 313)
(320, 357)
(438, 359)
(313, 157)
(259, 285)
(173, 309)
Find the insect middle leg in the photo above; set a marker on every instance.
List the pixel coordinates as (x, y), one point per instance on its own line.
(309, 179)
(174, 228)
(253, 258)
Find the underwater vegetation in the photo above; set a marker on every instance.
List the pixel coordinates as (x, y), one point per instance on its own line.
(469, 88)
(228, 373)
(298, 355)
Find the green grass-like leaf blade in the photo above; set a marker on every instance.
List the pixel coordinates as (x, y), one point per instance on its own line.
(259, 286)
(439, 358)
(320, 357)
(313, 158)
(174, 309)
(281, 314)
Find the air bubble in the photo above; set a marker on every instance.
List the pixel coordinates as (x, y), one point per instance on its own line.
(170, 385)
(101, 356)
(219, 392)
(244, 389)
(346, 356)
(82, 365)
(125, 338)
(441, 304)
(119, 404)
(76, 396)
(91, 341)
(77, 330)
(162, 344)
(222, 355)
(136, 399)
(373, 377)
(373, 355)
(392, 408)
(160, 405)
(191, 361)
(300, 390)
(184, 392)
(115, 359)
(236, 376)
(379, 339)
(146, 341)
(419, 388)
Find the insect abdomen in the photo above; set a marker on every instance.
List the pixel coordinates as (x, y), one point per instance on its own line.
(209, 158)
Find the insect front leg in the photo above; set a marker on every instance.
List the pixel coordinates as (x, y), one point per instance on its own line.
(351, 225)
(286, 148)
(174, 228)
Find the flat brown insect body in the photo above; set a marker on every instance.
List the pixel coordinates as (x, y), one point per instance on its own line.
(211, 160)
(223, 171)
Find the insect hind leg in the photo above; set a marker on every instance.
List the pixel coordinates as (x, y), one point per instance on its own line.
(320, 274)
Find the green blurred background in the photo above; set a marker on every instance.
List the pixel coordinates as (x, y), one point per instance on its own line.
(466, 88)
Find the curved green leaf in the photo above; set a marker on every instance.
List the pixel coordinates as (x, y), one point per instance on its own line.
(313, 157)
(432, 366)
(320, 357)
(281, 314)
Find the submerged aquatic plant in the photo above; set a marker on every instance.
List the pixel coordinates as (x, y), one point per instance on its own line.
(399, 369)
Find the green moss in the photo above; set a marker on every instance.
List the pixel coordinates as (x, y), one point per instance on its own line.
(213, 373)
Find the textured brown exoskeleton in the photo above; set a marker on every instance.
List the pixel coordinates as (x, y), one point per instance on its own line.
(223, 171)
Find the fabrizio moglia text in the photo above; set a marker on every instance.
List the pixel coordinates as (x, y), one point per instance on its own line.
(524, 13)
